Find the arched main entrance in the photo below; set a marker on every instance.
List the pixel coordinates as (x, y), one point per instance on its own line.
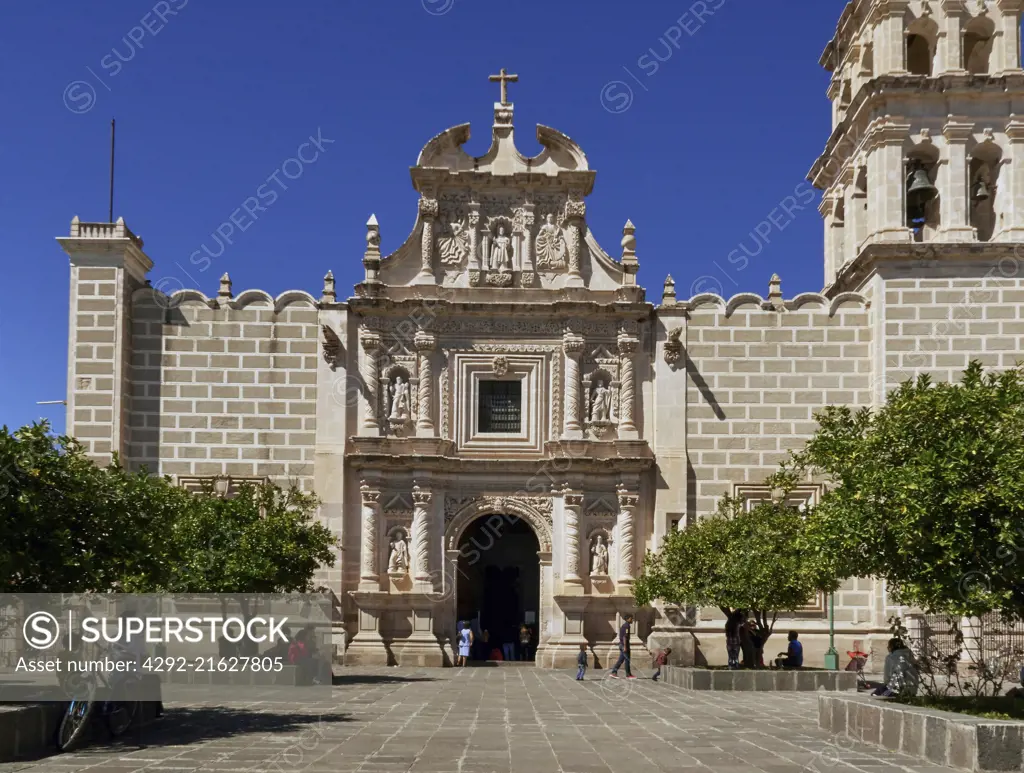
(498, 578)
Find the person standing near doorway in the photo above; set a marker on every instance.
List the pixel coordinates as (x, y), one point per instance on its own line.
(465, 642)
(624, 632)
(524, 641)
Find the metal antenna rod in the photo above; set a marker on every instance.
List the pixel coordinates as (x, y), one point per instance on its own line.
(111, 217)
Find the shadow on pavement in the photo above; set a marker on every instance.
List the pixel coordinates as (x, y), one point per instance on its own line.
(344, 679)
(189, 725)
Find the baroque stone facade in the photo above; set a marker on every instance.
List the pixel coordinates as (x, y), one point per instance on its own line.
(631, 418)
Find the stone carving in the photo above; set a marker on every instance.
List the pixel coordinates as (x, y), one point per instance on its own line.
(599, 557)
(400, 411)
(501, 252)
(536, 510)
(627, 507)
(500, 326)
(421, 532)
(370, 498)
(371, 346)
(445, 400)
(398, 563)
(550, 245)
(500, 278)
(500, 366)
(454, 247)
(573, 503)
(673, 346)
(600, 410)
(331, 346)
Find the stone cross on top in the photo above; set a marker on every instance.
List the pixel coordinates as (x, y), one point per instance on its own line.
(504, 79)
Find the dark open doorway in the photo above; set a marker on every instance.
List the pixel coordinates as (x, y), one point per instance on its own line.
(499, 580)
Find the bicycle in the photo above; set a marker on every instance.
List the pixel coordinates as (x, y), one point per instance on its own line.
(118, 714)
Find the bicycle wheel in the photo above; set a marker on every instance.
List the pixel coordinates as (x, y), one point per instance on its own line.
(74, 724)
(120, 715)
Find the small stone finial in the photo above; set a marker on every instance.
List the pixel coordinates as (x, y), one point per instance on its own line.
(775, 292)
(373, 235)
(75, 226)
(628, 239)
(328, 295)
(668, 292)
(225, 287)
(371, 258)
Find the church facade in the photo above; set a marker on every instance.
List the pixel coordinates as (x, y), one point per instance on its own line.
(500, 423)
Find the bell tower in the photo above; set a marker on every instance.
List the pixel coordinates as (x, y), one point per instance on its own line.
(927, 143)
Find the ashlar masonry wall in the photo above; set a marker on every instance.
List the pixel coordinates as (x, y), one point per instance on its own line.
(756, 373)
(224, 386)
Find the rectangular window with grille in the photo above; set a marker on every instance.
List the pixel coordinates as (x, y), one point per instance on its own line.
(501, 406)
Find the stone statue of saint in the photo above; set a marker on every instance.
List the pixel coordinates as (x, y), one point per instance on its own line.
(550, 245)
(600, 409)
(600, 554)
(501, 251)
(399, 400)
(399, 560)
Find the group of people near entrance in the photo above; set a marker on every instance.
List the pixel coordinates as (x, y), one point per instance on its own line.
(744, 644)
(473, 645)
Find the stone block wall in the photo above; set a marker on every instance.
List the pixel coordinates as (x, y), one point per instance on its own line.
(755, 378)
(937, 318)
(224, 387)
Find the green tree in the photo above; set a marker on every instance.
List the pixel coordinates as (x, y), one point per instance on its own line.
(263, 540)
(737, 559)
(70, 526)
(67, 525)
(927, 492)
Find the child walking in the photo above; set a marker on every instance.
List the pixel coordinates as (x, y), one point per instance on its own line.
(581, 662)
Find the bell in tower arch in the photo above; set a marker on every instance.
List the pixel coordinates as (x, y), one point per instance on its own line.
(919, 186)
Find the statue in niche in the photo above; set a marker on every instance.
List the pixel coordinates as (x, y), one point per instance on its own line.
(599, 565)
(454, 248)
(501, 251)
(398, 563)
(601, 406)
(550, 245)
(399, 400)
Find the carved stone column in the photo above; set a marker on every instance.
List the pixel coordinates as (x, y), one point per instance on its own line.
(368, 577)
(421, 500)
(474, 243)
(627, 389)
(1006, 52)
(575, 210)
(425, 345)
(572, 504)
(527, 277)
(428, 212)
(572, 345)
(626, 524)
(370, 342)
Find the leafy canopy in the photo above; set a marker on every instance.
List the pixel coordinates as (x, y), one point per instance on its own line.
(67, 525)
(737, 559)
(926, 491)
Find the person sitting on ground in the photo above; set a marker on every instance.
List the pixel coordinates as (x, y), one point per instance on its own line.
(660, 660)
(793, 657)
(899, 674)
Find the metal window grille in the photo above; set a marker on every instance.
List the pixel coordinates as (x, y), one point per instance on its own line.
(501, 406)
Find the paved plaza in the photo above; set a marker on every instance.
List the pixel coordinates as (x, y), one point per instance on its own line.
(478, 720)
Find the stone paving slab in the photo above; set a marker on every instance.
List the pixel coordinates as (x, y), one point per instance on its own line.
(492, 720)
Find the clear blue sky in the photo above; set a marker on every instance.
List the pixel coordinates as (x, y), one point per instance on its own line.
(211, 101)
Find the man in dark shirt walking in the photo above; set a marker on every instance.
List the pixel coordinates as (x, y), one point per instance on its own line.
(623, 649)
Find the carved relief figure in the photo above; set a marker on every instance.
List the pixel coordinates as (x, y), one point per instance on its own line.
(399, 400)
(399, 560)
(501, 251)
(601, 406)
(599, 564)
(455, 247)
(550, 245)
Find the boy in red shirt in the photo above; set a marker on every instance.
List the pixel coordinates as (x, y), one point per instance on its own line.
(661, 659)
